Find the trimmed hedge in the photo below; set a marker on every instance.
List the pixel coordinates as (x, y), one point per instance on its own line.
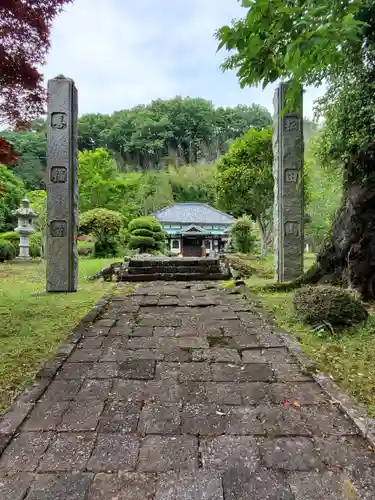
(143, 232)
(145, 223)
(7, 250)
(146, 234)
(142, 242)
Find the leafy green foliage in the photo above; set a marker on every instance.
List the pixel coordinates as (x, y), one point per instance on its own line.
(104, 225)
(13, 237)
(97, 185)
(13, 191)
(304, 41)
(100, 220)
(324, 303)
(143, 232)
(36, 243)
(244, 179)
(146, 234)
(324, 193)
(149, 223)
(143, 243)
(38, 202)
(310, 43)
(31, 147)
(7, 250)
(243, 235)
(177, 131)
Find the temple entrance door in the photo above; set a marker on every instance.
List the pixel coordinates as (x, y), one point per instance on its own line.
(192, 247)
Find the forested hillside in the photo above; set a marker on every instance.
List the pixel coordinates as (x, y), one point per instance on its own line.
(171, 132)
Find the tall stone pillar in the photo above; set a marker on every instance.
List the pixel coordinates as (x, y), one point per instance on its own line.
(62, 188)
(288, 187)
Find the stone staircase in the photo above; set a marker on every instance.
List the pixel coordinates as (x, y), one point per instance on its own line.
(156, 268)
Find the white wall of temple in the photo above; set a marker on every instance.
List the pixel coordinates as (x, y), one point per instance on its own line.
(175, 245)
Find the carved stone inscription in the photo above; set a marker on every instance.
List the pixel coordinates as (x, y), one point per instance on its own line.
(292, 175)
(61, 183)
(292, 228)
(59, 120)
(58, 228)
(59, 175)
(291, 124)
(288, 188)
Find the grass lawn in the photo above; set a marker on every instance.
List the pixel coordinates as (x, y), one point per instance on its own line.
(32, 326)
(349, 358)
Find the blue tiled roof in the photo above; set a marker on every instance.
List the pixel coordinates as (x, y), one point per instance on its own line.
(193, 213)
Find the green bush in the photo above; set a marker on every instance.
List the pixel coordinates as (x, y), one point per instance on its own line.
(143, 232)
(145, 223)
(107, 246)
(143, 243)
(7, 250)
(85, 250)
(36, 245)
(146, 234)
(105, 226)
(160, 236)
(243, 235)
(123, 237)
(241, 267)
(325, 303)
(13, 237)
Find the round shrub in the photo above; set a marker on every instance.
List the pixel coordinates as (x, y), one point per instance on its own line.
(7, 250)
(144, 243)
(145, 223)
(317, 304)
(241, 267)
(146, 234)
(160, 236)
(143, 232)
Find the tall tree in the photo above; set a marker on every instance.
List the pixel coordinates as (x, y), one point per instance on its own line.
(244, 180)
(309, 42)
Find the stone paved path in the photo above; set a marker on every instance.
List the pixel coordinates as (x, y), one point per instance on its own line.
(183, 392)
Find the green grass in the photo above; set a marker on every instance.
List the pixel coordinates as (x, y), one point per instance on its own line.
(32, 325)
(348, 357)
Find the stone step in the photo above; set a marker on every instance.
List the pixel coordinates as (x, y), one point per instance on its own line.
(174, 269)
(173, 277)
(186, 262)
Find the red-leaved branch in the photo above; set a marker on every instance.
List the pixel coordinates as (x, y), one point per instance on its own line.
(25, 28)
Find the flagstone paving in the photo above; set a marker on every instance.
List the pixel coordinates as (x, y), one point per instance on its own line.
(184, 392)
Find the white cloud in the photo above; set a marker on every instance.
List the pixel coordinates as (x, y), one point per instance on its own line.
(121, 53)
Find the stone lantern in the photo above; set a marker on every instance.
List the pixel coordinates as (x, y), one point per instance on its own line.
(25, 227)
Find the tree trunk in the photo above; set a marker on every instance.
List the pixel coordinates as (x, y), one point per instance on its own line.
(348, 256)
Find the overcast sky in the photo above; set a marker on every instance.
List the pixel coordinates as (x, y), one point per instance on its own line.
(127, 52)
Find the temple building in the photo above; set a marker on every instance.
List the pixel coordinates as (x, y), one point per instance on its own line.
(193, 225)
